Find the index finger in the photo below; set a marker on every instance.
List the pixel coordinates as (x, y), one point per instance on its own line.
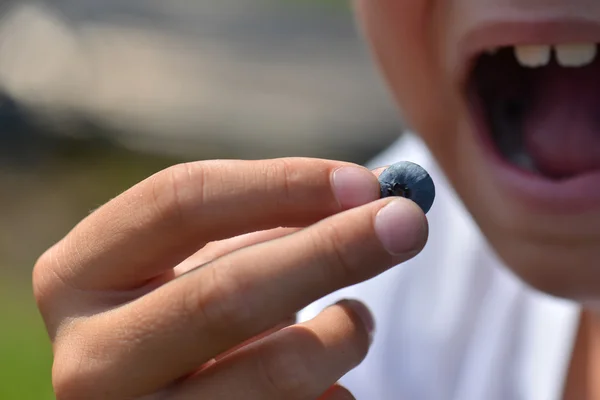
(158, 223)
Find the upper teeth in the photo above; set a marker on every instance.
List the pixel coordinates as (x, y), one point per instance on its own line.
(567, 55)
(575, 55)
(533, 56)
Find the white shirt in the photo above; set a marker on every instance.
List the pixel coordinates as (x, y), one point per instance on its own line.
(454, 323)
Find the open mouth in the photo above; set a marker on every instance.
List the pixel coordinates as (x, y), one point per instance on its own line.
(538, 106)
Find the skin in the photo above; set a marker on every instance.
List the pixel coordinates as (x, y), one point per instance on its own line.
(419, 40)
(157, 296)
(177, 289)
(415, 44)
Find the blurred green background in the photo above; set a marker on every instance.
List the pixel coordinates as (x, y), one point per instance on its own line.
(97, 95)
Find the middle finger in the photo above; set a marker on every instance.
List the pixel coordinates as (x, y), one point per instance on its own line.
(209, 310)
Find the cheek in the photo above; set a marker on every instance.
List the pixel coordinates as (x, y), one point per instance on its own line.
(412, 40)
(406, 38)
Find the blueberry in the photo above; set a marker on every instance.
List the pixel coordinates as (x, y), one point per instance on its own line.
(408, 180)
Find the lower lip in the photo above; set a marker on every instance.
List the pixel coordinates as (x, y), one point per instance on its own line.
(572, 196)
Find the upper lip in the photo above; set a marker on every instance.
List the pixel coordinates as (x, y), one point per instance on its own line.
(579, 194)
(525, 31)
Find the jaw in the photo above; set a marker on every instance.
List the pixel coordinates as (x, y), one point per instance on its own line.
(544, 228)
(531, 130)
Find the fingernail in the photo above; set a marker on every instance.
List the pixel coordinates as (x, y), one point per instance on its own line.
(379, 171)
(354, 187)
(401, 227)
(363, 313)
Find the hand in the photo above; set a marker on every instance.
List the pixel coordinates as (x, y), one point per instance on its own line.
(182, 287)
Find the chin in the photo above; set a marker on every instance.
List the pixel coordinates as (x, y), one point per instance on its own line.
(552, 248)
(526, 155)
(507, 100)
(566, 271)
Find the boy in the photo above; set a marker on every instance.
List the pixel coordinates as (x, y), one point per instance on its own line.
(501, 93)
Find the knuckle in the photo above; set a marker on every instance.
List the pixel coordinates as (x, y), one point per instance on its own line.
(285, 370)
(65, 386)
(221, 306)
(68, 380)
(281, 171)
(174, 189)
(340, 265)
(40, 273)
(52, 291)
(45, 275)
(82, 368)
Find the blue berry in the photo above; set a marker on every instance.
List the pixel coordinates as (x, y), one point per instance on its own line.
(408, 180)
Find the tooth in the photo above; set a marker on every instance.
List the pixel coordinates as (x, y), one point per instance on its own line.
(575, 55)
(533, 56)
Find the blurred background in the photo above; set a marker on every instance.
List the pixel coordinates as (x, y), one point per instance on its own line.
(96, 95)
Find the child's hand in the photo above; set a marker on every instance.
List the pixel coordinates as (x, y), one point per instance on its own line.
(134, 313)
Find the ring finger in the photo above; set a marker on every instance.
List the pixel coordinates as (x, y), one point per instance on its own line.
(301, 362)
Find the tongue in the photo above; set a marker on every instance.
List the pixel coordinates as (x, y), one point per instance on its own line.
(562, 126)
